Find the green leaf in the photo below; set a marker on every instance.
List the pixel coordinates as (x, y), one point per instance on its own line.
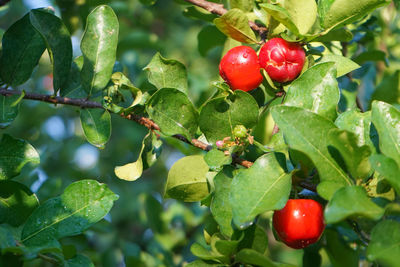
(388, 89)
(222, 246)
(123, 83)
(316, 90)
(254, 238)
(371, 55)
(384, 246)
(339, 209)
(208, 38)
(16, 203)
(99, 47)
(9, 107)
(263, 187)
(73, 87)
(14, 155)
(96, 124)
(244, 5)
(16, 63)
(388, 168)
(58, 42)
(220, 207)
(205, 254)
(235, 24)
(386, 119)
(355, 157)
(82, 204)
(173, 112)
(187, 179)
(335, 13)
(200, 263)
(296, 124)
(253, 257)
(220, 115)
(343, 64)
(194, 12)
(6, 237)
(339, 252)
(340, 34)
(216, 159)
(79, 261)
(154, 211)
(360, 124)
(31, 252)
(150, 151)
(167, 73)
(282, 15)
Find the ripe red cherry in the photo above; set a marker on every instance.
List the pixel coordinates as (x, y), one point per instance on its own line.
(283, 61)
(300, 223)
(240, 68)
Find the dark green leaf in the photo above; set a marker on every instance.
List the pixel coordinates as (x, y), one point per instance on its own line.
(222, 246)
(6, 237)
(254, 238)
(343, 64)
(263, 187)
(219, 116)
(99, 47)
(187, 179)
(386, 119)
(208, 38)
(9, 107)
(79, 261)
(96, 124)
(73, 87)
(388, 89)
(16, 63)
(14, 155)
(167, 73)
(340, 34)
(195, 12)
(82, 204)
(253, 257)
(316, 90)
(339, 209)
(173, 112)
(388, 168)
(340, 254)
(372, 55)
(235, 24)
(58, 42)
(384, 246)
(16, 203)
(296, 124)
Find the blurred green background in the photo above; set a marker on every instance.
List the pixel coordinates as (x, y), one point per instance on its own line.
(142, 229)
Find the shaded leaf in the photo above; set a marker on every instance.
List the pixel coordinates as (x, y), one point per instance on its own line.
(253, 257)
(371, 55)
(167, 73)
(208, 38)
(82, 204)
(17, 202)
(79, 261)
(96, 124)
(388, 168)
(339, 252)
(16, 65)
(187, 179)
(58, 42)
(388, 89)
(339, 209)
(14, 155)
(73, 87)
(264, 186)
(99, 47)
(9, 107)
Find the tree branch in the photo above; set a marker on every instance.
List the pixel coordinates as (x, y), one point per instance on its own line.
(219, 9)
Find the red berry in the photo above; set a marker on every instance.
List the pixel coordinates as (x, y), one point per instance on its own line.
(240, 68)
(300, 223)
(283, 61)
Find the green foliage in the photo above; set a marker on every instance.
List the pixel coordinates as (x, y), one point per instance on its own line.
(235, 24)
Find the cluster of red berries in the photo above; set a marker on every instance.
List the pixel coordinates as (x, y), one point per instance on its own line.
(283, 61)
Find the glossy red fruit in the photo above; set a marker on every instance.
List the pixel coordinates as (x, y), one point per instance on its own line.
(240, 68)
(300, 223)
(283, 61)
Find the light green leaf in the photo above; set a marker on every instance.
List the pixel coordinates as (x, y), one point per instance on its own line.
(79, 261)
(335, 13)
(220, 207)
(123, 83)
(58, 42)
(388, 168)
(205, 254)
(296, 124)
(14, 155)
(343, 64)
(253, 257)
(167, 73)
(82, 204)
(99, 47)
(216, 159)
(96, 124)
(386, 119)
(282, 15)
(355, 157)
(16, 203)
(235, 25)
(316, 90)
(360, 124)
(220, 115)
(9, 107)
(16, 63)
(339, 207)
(264, 186)
(187, 179)
(150, 151)
(173, 112)
(244, 5)
(384, 246)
